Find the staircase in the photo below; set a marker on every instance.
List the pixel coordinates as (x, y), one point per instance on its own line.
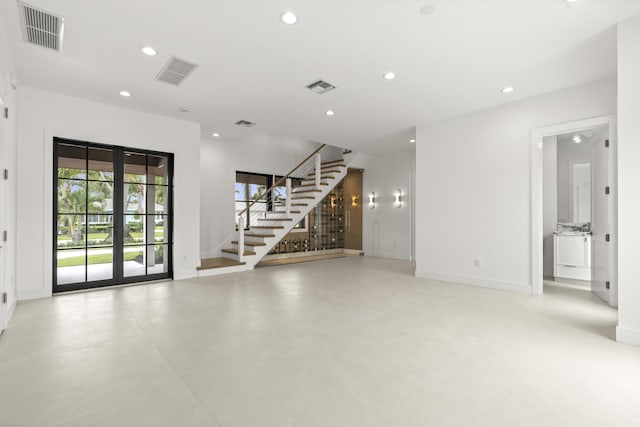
(320, 172)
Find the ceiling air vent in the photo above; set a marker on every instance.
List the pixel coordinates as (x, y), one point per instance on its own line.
(245, 123)
(320, 87)
(175, 71)
(40, 27)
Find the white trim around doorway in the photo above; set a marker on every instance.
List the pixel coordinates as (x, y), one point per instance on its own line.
(537, 136)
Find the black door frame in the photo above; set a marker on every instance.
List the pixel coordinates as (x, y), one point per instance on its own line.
(118, 246)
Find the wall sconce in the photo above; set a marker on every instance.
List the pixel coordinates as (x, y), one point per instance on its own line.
(333, 201)
(372, 200)
(354, 201)
(398, 196)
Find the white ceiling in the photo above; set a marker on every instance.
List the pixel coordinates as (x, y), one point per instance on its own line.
(253, 67)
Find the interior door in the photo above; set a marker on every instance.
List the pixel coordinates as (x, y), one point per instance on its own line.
(353, 209)
(112, 215)
(602, 249)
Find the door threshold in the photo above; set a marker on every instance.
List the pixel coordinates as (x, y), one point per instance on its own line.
(101, 288)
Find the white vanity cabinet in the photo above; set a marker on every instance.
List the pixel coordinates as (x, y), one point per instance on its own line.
(572, 256)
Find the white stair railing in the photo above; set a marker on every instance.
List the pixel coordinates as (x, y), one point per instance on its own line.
(257, 210)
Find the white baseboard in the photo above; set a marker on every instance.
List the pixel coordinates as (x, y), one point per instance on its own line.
(474, 281)
(628, 335)
(27, 294)
(391, 255)
(223, 270)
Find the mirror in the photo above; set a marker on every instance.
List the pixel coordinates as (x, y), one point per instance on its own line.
(581, 196)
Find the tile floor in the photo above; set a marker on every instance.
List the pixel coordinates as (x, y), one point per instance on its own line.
(299, 345)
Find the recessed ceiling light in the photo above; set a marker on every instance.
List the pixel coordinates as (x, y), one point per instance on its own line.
(148, 50)
(215, 135)
(289, 18)
(508, 89)
(427, 9)
(577, 139)
(389, 76)
(125, 94)
(330, 113)
(183, 109)
(412, 140)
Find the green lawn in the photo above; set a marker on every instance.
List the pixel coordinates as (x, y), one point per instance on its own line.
(95, 259)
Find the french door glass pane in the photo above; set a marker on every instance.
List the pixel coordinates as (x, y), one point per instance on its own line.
(158, 170)
(134, 196)
(72, 196)
(100, 230)
(134, 229)
(72, 161)
(157, 200)
(100, 197)
(161, 229)
(134, 261)
(99, 264)
(71, 266)
(135, 167)
(71, 231)
(157, 259)
(100, 164)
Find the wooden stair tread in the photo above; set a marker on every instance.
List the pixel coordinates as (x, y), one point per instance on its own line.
(263, 235)
(333, 161)
(211, 263)
(325, 171)
(303, 198)
(307, 191)
(275, 219)
(310, 185)
(249, 243)
(266, 226)
(299, 204)
(235, 252)
(321, 177)
(337, 165)
(283, 212)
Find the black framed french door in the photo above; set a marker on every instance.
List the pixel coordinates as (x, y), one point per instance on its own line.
(112, 215)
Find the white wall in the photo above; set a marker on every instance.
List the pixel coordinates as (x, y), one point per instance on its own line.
(44, 115)
(550, 200)
(628, 181)
(261, 152)
(473, 187)
(387, 229)
(569, 153)
(8, 147)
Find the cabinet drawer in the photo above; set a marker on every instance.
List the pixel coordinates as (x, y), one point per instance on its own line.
(572, 272)
(571, 250)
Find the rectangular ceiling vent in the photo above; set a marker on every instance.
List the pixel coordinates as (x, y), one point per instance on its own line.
(245, 123)
(320, 87)
(175, 71)
(40, 27)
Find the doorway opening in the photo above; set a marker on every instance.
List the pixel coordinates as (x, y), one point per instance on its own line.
(574, 207)
(112, 215)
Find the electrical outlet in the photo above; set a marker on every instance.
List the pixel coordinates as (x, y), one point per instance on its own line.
(477, 263)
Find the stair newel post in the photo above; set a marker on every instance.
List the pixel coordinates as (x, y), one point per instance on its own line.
(318, 170)
(241, 239)
(288, 200)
